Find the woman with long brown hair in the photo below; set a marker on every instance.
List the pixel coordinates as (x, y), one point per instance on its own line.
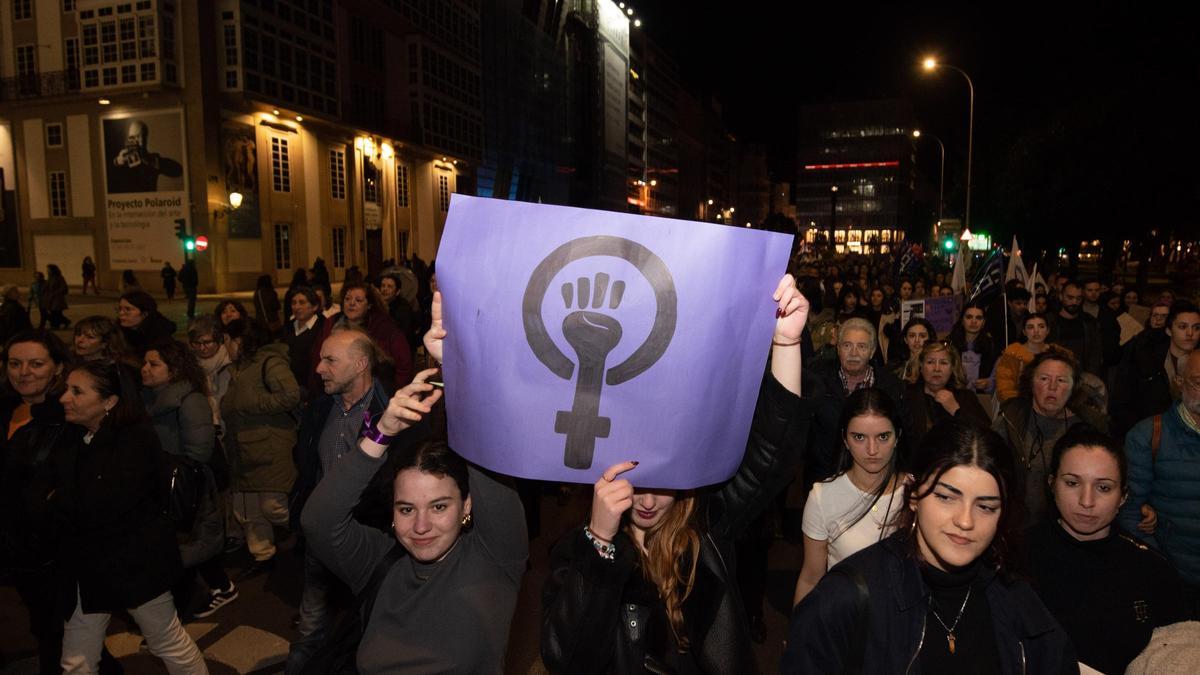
(648, 583)
(940, 595)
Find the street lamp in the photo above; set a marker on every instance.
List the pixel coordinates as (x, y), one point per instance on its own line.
(235, 200)
(832, 216)
(931, 64)
(941, 172)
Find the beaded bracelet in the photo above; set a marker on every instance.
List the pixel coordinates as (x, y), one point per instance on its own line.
(606, 551)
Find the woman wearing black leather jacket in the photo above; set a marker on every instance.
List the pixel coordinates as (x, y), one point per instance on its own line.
(648, 584)
(937, 596)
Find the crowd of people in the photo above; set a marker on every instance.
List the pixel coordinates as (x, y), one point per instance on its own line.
(968, 489)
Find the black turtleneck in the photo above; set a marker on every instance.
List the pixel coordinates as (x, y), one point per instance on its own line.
(974, 639)
(1109, 594)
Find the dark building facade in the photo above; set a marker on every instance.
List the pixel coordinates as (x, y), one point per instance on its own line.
(865, 150)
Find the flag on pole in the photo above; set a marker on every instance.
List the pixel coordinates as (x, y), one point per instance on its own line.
(1016, 266)
(907, 257)
(990, 277)
(1035, 278)
(958, 281)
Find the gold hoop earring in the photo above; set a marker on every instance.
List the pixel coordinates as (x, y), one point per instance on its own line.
(466, 520)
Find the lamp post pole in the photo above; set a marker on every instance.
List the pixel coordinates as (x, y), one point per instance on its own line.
(832, 217)
(941, 170)
(931, 64)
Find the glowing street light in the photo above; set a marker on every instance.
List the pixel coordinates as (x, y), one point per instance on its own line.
(931, 64)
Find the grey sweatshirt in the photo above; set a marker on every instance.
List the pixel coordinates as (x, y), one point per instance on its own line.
(452, 616)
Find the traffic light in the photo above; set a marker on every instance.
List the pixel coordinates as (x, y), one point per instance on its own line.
(948, 244)
(180, 228)
(189, 243)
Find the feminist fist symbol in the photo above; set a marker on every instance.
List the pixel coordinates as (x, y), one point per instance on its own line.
(593, 334)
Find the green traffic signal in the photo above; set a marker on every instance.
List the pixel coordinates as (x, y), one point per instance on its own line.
(189, 244)
(948, 245)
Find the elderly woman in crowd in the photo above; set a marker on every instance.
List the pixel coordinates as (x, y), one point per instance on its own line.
(937, 391)
(1049, 405)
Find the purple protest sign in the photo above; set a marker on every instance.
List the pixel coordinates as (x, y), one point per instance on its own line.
(942, 313)
(577, 339)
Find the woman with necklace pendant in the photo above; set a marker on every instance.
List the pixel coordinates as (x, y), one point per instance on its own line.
(939, 595)
(853, 509)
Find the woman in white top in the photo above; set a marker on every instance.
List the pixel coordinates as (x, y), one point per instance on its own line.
(855, 508)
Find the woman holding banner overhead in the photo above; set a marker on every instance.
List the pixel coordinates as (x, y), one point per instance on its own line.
(647, 585)
(437, 594)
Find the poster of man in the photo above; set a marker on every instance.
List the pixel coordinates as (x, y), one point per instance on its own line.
(140, 153)
(146, 178)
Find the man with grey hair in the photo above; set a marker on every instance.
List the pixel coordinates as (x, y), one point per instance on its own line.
(831, 382)
(1163, 502)
(330, 428)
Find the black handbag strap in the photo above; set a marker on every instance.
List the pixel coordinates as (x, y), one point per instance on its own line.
(862, 605)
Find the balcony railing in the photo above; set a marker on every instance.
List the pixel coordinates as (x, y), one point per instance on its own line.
(39, 85)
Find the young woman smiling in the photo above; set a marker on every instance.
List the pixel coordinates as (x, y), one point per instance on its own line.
(445, 603)
(937, 596)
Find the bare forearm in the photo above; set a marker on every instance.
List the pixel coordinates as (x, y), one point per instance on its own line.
(786, 364)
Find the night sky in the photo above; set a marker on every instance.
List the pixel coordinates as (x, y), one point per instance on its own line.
(1095, 93)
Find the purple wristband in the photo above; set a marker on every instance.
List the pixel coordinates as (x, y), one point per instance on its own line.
(372, 433)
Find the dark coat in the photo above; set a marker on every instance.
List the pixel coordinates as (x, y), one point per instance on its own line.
(595, 610)
(13, 319)
(825, 623)
(189, 277)
(28, 532)
(54, 294)
(116, 543)
(300, 349)
(260, 430)
(984, 345)
(149, 332)
(1093, 358)
(1142, 386)
(375, 507)
(823, 385)
(926, 411)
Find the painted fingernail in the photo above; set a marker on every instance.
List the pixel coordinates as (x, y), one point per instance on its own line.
(635, 463)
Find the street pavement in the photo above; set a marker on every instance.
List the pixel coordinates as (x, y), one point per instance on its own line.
(251, 634)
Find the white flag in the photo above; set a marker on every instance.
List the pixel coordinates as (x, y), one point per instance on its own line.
(1016, 267)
